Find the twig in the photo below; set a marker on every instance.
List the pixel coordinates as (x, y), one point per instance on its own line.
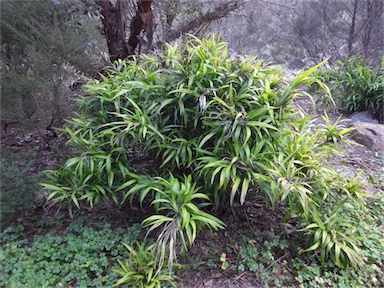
(238, 277)
(277, 260)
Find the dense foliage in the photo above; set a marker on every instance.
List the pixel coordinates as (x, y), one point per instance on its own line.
(80, 254)
(186, 134)
(357, 86)
(191, 125)
(44, 45)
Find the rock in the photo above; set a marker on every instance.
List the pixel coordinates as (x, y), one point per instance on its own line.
(370, 135)
(364, 116)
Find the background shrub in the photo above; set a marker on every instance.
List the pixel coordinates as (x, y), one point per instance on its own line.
(356, 86)
(46, 45)
(18, 186)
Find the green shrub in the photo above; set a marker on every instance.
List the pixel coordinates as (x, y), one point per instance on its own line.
(226, 126)
(80, 256)
(357, 87)
(18, 186)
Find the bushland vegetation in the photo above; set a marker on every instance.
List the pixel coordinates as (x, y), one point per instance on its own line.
(187, 141)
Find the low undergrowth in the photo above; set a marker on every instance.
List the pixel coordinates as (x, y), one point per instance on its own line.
(273, 257)
(83, 253)
(78, 256)
(371, 274)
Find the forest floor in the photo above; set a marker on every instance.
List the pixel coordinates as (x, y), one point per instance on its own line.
(216, 259)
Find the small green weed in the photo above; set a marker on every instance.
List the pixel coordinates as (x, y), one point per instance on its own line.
(263, 256)
(139, 269)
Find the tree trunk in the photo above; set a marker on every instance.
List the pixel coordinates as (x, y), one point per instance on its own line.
(115, 27)
(373, 19)
(351, 38)
(143, 20)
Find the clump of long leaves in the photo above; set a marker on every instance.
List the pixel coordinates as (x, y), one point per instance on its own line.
(357, 86)
(335, 236)
(138, 269)
(213, 127)
(182, 204)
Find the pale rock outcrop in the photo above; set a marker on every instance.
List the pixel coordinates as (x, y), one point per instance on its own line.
(370, 135)
(364, 116)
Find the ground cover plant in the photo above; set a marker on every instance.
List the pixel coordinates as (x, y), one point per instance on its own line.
(213, 131)
(80, 255)
(246, 254)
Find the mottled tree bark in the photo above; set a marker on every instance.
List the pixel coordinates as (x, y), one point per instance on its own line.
(143, 21)
(115, 27)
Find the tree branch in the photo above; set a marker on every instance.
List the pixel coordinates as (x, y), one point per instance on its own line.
(219, 12)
